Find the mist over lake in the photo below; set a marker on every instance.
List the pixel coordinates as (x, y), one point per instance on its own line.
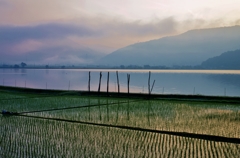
(203, 82)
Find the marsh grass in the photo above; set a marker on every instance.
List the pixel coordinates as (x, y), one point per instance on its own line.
(159, 115)
(27, 137)
(30, 137)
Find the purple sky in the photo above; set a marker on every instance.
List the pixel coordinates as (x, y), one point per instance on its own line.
(78, 31)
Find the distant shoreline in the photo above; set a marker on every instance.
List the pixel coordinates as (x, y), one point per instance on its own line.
(113, 68)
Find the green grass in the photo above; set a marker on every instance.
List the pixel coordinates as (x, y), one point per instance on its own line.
(31, 137)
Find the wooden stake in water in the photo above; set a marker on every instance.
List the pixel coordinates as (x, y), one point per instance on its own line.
(149, 86)
(149, 78)
(128, 81)
(152, 86)
(89, 79)
(118, 82)
(100, 78)
(107, 83)
(69, 85)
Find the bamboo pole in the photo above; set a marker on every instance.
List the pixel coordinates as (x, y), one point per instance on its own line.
(99, 86)
(128, 81)
(149, 78)
(149, 85)
(107, 83)
(89, 79)
(118, 83)
(152, 86)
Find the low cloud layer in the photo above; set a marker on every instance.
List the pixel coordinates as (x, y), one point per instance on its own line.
(83, 31)
(102, 36)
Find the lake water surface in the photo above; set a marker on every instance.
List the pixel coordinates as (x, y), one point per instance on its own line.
(204, 82)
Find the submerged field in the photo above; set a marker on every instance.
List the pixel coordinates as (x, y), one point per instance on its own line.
(29, 136)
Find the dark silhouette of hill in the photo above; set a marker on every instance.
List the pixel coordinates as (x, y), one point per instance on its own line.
(190, 48)
(227, 60)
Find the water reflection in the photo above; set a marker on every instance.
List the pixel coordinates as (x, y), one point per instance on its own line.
(205, 82)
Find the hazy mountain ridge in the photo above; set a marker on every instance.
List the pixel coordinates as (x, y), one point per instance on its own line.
(227, 60)
(190, 48)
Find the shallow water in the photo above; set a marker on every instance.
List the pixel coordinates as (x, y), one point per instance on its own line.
(204, 82)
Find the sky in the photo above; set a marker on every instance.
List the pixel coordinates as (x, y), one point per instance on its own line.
(80, 31)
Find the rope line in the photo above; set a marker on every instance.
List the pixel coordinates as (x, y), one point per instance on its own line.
(182, 134)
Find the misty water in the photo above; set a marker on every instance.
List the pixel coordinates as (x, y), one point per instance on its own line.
(203, 82)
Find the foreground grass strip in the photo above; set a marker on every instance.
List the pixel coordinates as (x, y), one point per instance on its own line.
(39, 96)
(182, 134)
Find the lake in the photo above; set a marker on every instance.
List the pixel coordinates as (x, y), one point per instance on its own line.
(203, 82)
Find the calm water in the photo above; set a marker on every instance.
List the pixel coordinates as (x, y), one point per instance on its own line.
(205, 82)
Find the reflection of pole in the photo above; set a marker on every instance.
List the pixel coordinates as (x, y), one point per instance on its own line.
(115, 86)
(100, 117)
(15, 83)
(107, 111)
(46, 85)
(163, 91)
(224, 91)
(149, 106)
(194, 90)
(117, 111)
(128, 117)
(89, 116)
(25, 83)
(3, 82)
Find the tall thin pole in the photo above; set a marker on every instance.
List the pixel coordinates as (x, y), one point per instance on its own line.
(107, 83)
(152, 86)
(89, 79)
(118, 82)
(149, 78)
(128, 81)
(100, 78)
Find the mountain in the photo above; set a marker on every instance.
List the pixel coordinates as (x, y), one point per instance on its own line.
(227, 60)
(190, 48)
